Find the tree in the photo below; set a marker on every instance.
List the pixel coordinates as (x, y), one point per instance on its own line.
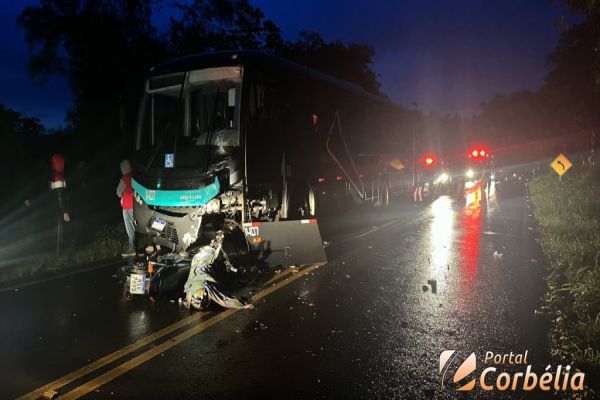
(209, 25)
(587, 32)
(19, 134)
(103, 48)
(352, 62)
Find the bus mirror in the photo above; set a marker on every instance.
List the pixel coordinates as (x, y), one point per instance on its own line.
(231, 97)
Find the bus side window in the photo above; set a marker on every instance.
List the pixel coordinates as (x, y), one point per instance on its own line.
(256, 107)
(263, 147)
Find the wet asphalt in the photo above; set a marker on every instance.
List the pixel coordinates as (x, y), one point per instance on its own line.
(402, 285)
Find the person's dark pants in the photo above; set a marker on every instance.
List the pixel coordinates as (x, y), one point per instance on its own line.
(129, 227)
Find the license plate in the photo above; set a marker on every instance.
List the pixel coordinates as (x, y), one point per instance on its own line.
(158, 224)
(136, 283)
(251, 230)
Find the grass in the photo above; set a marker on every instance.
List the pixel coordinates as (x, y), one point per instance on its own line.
(107, 243)
(568, 213)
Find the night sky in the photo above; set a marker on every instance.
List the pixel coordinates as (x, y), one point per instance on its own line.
(447, 56)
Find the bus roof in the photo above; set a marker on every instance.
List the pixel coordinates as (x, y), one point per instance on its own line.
(261, 60)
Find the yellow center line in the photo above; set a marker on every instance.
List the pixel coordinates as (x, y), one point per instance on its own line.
(110, 358)
(278, 276)
(369, 232)
(376, 229)
(161, 348)
(37, 393)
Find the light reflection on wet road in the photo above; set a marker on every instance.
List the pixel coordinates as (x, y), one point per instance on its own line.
(442, 229)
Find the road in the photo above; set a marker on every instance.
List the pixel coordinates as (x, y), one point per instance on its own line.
(402, 285)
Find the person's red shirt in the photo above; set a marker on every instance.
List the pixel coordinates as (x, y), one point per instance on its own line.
(127, 198)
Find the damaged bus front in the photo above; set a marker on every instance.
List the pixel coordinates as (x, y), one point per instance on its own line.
(193, 154)
(188, 159)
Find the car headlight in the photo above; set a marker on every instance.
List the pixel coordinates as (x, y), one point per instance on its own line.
(213, 206)
(470, 173)
(443, 178)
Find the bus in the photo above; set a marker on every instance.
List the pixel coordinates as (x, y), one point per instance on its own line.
(249, 139)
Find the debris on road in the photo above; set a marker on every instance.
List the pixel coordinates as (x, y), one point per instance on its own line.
(433, 284)
(50, 394)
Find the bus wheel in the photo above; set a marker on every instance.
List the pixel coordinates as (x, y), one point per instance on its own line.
(294, 202)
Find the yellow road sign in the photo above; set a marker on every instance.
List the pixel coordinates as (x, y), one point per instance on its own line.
(396, 164)
(561, 164)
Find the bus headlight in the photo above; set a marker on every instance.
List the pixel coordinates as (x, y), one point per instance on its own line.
(470, 174)
(138, 198)
(213, 206)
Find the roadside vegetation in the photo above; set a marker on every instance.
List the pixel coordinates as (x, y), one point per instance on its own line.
(568, 213)
(107, 244)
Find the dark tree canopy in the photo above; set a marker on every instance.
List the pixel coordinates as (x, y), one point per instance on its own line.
(567, 104)
(352, 62)
(101, 47)
(105, 47)
(209, 25)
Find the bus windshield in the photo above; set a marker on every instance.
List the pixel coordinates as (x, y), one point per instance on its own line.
(190, 119)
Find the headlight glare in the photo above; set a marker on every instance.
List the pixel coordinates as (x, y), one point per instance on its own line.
(213, 206)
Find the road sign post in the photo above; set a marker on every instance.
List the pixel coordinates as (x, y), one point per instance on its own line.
(561, 165)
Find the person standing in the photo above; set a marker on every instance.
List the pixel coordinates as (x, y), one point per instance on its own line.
(125, 193)
(58, 186)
